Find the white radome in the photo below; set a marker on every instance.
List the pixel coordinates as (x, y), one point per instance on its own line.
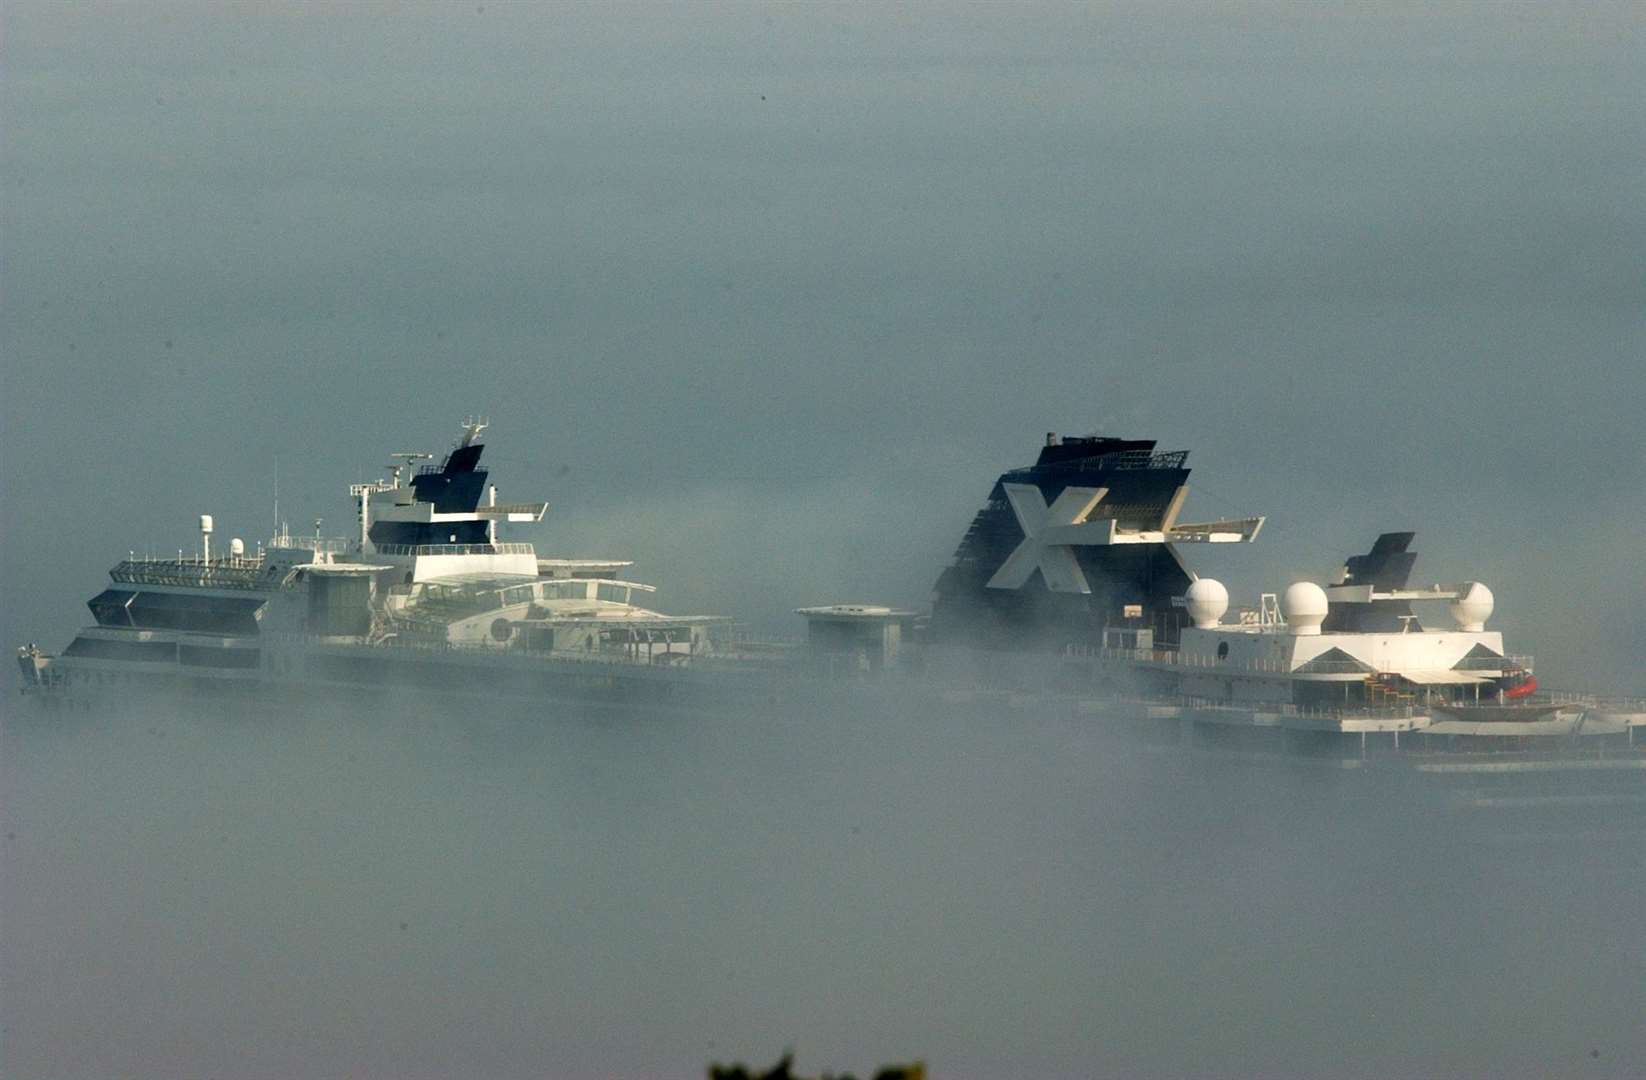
(1206, 600)
(1473, 607)
(1304, 606)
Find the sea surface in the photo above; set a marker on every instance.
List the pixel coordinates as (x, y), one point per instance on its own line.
(406, 890)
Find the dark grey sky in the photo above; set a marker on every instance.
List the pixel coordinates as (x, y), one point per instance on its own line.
(765, 297)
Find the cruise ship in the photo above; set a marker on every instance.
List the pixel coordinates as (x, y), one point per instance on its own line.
(1069, 590)
(427, 595)
(1080, 556)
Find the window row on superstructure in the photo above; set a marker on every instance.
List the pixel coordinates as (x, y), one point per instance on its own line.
(162, 652)
(198, 613)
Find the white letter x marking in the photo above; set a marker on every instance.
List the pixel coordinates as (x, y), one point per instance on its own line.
(1048, 533)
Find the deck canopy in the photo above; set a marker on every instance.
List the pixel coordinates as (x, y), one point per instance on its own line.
(1443, 678)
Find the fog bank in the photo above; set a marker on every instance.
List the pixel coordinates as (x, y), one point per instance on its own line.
(330, 892)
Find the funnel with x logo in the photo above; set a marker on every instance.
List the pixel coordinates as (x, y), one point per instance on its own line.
(1049, 535)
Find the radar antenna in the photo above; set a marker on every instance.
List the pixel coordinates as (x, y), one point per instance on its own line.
(408, 457)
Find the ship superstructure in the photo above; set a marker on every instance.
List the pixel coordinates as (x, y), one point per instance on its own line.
(1351, 668)
(427, 574)
(1355, 643)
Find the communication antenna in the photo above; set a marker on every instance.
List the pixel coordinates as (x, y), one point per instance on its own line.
(277, 494)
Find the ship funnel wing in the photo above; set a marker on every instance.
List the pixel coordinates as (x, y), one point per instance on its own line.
(1382, 571)
(516, 512)
(1387, 566)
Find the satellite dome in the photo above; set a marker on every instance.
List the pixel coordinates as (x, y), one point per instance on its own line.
(1304, 606)
(1472, 607)
(1206, 600)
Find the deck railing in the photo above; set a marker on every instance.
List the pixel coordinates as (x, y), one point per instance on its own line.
(233, 573)
(456, 549)
(1288, 709)
(325, 545)
(1177, 659)
(1131, 459)
(1495, 663)
(1479, 665)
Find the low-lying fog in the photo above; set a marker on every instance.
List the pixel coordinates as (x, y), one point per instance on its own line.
(320, 892)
